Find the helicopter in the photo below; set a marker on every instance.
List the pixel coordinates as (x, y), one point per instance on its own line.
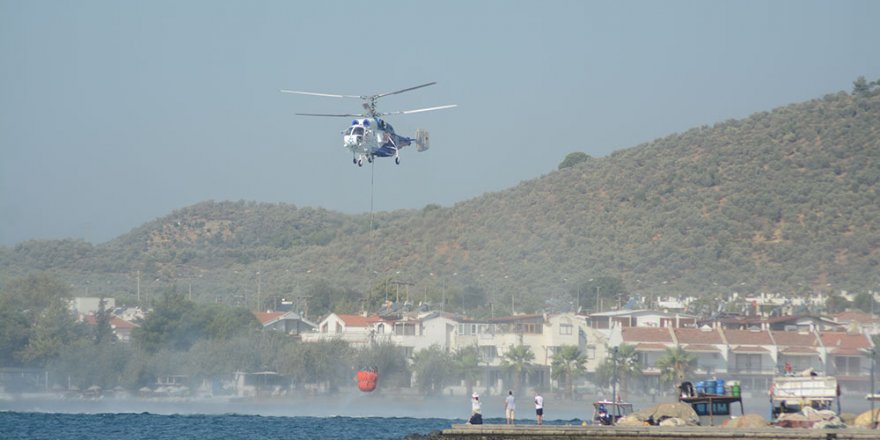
(369, 136)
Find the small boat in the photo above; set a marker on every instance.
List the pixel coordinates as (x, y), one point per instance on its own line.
(606, 412)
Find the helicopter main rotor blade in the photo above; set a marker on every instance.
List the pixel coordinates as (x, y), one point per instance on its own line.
(329, 95)
(419, 110)
(345, 115)
(401, 91)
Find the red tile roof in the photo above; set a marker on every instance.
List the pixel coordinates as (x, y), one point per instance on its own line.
(119, 323)
(702, 348)
(856, 316)
(749, 349)
(646, 334)
(698, 336)
(799, 350)
(650, 346)
(267, 317)
(747, 337)
(795, 339)
(845, 343)
(359, 320)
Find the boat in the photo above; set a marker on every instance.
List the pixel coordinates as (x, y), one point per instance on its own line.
(606, 412)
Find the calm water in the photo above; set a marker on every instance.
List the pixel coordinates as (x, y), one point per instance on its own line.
(54, 426)
(37, 426)
(358, 418)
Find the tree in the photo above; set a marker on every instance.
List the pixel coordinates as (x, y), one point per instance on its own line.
(388, 359)
(836, 304)
(568, 362)
(431, 369)
(55, 327)
(176, 323)
(85, 363)
(467, 365)
(861, 86)
(573, 159)
(518, 360)
(25, 304)
(168, 325)
(620, 366)
(865, 302)
(326, 362)
(14, 332)
(103, 332)
(675, 365)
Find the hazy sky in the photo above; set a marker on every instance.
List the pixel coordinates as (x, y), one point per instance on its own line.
(114, 113)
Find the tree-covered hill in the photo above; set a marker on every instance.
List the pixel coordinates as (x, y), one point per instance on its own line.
(781, 201)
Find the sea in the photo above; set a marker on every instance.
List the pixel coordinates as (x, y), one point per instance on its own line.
(340, 417)
(128, 426)
(39, 419)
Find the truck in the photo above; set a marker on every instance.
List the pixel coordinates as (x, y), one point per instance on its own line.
(790, 394)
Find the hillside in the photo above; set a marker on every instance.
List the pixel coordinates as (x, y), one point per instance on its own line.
(781, 201)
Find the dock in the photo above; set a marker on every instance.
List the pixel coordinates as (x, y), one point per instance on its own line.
(571, 432)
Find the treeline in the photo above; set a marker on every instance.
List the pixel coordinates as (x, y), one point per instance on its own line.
(200, 341)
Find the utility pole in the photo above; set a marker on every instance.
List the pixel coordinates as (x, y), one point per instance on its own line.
(873, 391)
(614, 381)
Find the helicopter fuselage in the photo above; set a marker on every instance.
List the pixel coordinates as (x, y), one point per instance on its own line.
(370, 137)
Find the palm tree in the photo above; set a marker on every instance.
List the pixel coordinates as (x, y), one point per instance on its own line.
(620, 367)
(676, 364)
(628, 366)
(569, 362)
(467, 365)
(518, 359)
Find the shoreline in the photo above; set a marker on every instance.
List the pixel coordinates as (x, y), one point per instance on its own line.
(526, 432)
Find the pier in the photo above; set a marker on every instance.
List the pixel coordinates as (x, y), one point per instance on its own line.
(571, 432)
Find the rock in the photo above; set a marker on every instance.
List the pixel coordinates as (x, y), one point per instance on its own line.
(673, 421)
(746, 421)
(631, 421)
(657, 413)
(864, 419)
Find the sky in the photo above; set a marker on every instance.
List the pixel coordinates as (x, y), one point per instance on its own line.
(115, 113)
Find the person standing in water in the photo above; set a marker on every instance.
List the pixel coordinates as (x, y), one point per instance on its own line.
(539, 408)
(510, 407)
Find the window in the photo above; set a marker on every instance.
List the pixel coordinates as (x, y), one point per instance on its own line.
(748, 362)
(488, 353)
(565, 329)
(529, 328)
(404, 329)
(848, 365)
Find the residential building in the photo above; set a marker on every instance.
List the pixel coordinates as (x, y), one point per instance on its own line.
(289, 322)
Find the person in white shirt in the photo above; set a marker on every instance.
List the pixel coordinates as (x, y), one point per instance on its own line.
(510, 407)
(539, 408)
(476, 417)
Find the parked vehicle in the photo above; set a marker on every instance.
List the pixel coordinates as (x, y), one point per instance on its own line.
(606, 412)
(790, 394)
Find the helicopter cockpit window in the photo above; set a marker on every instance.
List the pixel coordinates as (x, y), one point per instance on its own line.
(357, 130)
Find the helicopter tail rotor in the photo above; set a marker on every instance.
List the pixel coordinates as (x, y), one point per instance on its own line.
(423, 140)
